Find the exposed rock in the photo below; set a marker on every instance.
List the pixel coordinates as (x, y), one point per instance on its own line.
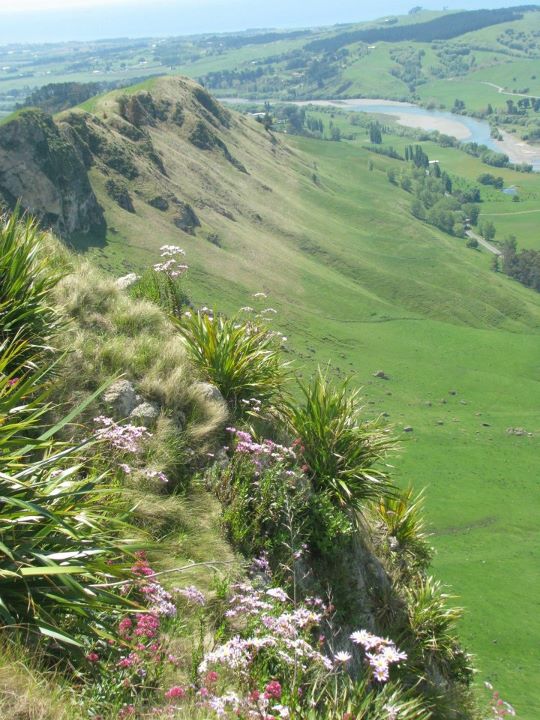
(160, 203)
(381, 374)
(124, 282)
(210, 392)
(408, 429)
(440, 422)
(518, 431)
(121, 398)
(42, 169)
(147, 413)
(186, 219)
(120, 194)
(205, 139)
(142, 109)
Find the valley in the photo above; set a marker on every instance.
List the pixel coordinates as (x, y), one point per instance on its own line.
(321, 223)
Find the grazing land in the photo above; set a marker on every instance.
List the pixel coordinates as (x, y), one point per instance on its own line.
(321, 222)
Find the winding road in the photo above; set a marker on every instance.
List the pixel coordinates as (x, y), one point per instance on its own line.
(502, 91)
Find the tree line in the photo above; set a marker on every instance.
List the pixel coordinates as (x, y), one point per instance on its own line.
(441, 28)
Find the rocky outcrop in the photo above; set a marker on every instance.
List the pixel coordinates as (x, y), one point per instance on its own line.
(41, 169)
(121, 398)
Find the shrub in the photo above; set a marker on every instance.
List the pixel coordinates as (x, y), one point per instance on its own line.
(341, 452)
(262, 496)
(241, 359)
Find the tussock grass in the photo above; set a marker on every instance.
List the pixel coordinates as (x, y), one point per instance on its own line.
(112, 334)
(29, 693)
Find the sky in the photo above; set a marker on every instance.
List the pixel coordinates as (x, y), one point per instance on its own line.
(56, 20)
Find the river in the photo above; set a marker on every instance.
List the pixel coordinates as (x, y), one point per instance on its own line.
(462, 127)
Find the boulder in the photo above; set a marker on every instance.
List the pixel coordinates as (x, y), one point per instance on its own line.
(518, 431)
(210, 392)
(408, 429)
(146, 413)
(381, 374)
(121, 398)
(126, 280)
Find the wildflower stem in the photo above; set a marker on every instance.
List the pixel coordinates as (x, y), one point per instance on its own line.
(209, 564)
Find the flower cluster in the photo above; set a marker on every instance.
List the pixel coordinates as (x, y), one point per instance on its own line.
(380, 653)
(135, 661)
(263, 669)
(126, 438)
(253, 405)
(158, 600)
(246, 445)
(499, 707)
(170, 264)
(192, 595)
(278, 634)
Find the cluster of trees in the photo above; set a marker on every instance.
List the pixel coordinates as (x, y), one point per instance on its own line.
(495, 159)
(231, 78)
(233, 42)
(315, 125)
(454, 60)
(409, 68)
(489, 179)
(523, 265)
(375, 133)
(417, 155)
(440, 28)
(387, 150)
(519, 40)
(56, 97)
(436, 200)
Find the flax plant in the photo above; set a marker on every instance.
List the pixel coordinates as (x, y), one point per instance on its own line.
(342, 452)
(241, 359)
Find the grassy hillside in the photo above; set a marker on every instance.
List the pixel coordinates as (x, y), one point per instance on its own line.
(360, 283)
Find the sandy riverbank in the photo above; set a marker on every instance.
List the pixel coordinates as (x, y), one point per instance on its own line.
(518, 150)
(425, 122)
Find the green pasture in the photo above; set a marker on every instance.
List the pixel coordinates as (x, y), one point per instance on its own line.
(361, 284)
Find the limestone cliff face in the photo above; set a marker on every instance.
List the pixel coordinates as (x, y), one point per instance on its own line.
(42, 170)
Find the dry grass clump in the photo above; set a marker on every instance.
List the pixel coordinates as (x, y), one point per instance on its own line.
(112, 334)
(26, 693)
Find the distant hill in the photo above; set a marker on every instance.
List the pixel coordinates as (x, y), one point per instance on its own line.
(441, 28)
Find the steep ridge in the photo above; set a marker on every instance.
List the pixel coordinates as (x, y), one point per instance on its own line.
(41, 168)
(358, 282)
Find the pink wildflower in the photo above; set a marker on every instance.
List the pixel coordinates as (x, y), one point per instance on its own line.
(175, 692)
(92, 657)
(124, 626)
(126, 711)
(147, 626)
(273, 690)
